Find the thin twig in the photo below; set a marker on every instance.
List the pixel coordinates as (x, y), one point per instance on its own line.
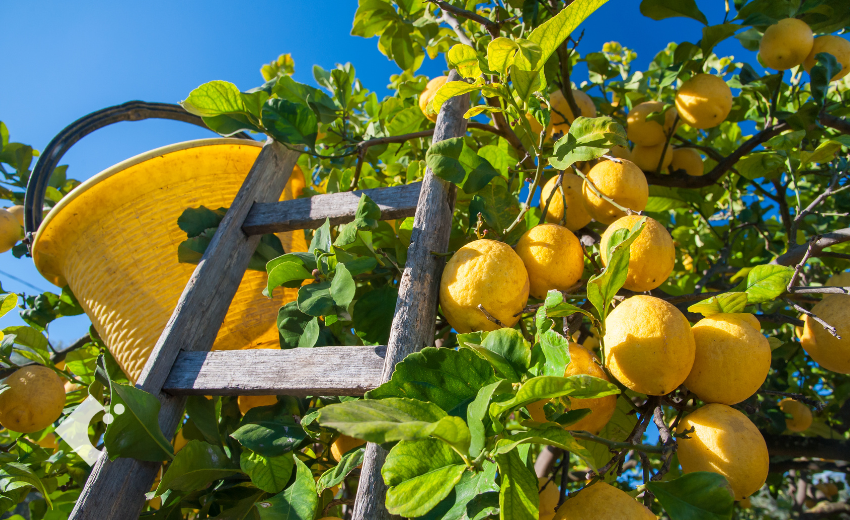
(829, 328)
(814, 403)
(490, 316)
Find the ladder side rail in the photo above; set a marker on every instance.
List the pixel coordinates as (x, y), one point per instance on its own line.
(413, 326)
(115, 489)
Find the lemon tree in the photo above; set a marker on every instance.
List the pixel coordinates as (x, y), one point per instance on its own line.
(684, 223)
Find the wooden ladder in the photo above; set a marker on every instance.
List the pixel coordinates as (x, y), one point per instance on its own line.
(182, 364)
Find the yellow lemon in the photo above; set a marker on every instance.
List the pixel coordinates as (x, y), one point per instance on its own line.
(648, 157)
(649, 133)
(549, 496)
(561, 110)
(837, 280)
(10, 231)
(704, 101)
(603, 501)
(745, 503)
(687, 159)
(536, 127)
(553, 258)
(732, 358)
(246, 402)
(652, 255)
(577, 216)
(487, 273)
(724, 441)
(18, 212)
(620, 152)
(801, 416)
(428, 94)
(179, 441)
(649, 346)
(835, 45)
(343, 445)
(828, 351)
(786, 44)
(621, 181)
(48, 442)
(35, 398)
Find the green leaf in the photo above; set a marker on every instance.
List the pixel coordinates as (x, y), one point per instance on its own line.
(727, 302)
(454, 161)
(267, 473)
(500, 54)
(269, 438)
(31, 338)
(518, 494)
(470, 486)
(419, 475)
(480, 109)
(603, 287)
(509, 345)
(291, 324)
(315, 299)
(8, 302)
(465, 60)
(457, 88)
(766, 282)
(373, 314)
(824, 153)
(476, 412)
(15, 472)
(134, 431)
(311, 334)
(714, 34)
(203, 413)
(547, 387)
(342, 287)
(661, 9)
(292, 123)
(337, 474)
(551, 33)
(617, 429)
(321, 238)
(195, 466)
(498, 206)
(288, 271)
(821, 75)
(83, 362)
(556, 349)
(700, 495)
(216, 98)
(448, 378)
(768, 165)
(527, 77)
(549, 434)
(298, 502)
(588, 138)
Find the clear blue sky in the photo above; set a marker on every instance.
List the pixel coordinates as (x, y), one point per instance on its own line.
(63, 60)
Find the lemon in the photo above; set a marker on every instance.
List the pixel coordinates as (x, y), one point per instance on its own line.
(649, 346)
(801, 416)
(179, 441)
(786, 44)
(835, 45)
(487, 273)
(620, 152)
(648, 157)
(652, 255)
(603, 501)
(704, 101)
(10, 230)
(48, 442)
(18, 212)
(687, 159)
(745, 503)
(428, 94)
(732, 358)
(343, 445)
(561, 109)
(246, 402)
(828, 351)
(621, 181)
(583, 362)
(553, 258)
(577, 216)
(649, 133)
(34, 400)
(724, 441)
(549, 496)
(837, 280)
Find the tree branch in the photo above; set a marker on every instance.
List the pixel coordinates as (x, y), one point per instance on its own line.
(795, 254)
(490, 26)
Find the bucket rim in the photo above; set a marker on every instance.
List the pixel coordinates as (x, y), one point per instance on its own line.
(123, 165)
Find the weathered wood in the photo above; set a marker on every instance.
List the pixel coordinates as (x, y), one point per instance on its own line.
(310, 213)
(298, 372)
(416, 310)
(116, 490)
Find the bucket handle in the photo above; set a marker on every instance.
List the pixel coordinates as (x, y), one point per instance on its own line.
(64, 140)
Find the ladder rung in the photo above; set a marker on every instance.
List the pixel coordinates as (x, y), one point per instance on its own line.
(297, 372)
(310, 213)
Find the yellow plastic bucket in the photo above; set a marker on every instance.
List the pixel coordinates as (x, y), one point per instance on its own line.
(113, 240)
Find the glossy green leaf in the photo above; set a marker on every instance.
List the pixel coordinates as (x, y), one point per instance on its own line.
(767, 165)
(448, 378)
(470, 486)
(134, 431)
(298, 502)
(291, 123)
(334, 476)
(315, 299)
(214, 99)
(269, 438)
(373, 314)
(766, 282)
(727, 302)
(465, 60)
(603, 287)
(457, 88)
(381, 421)
(311, 334)
(321, 238)
(661, 9)
(498, 206)
(419, 475)
(15, 472)
(714, 34)
(454, 161)
(510, 345)
(518, 495)
(476, 414)
(551, 33)
(825, 68)
(204, 415)
(32, 339)
(291, 324)
(195, 466)
(289, 273)
(696, 496)
(547, 387)
(342, 286)
(267, 473)
(556, 349)
(549, 434)
(588, 138)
